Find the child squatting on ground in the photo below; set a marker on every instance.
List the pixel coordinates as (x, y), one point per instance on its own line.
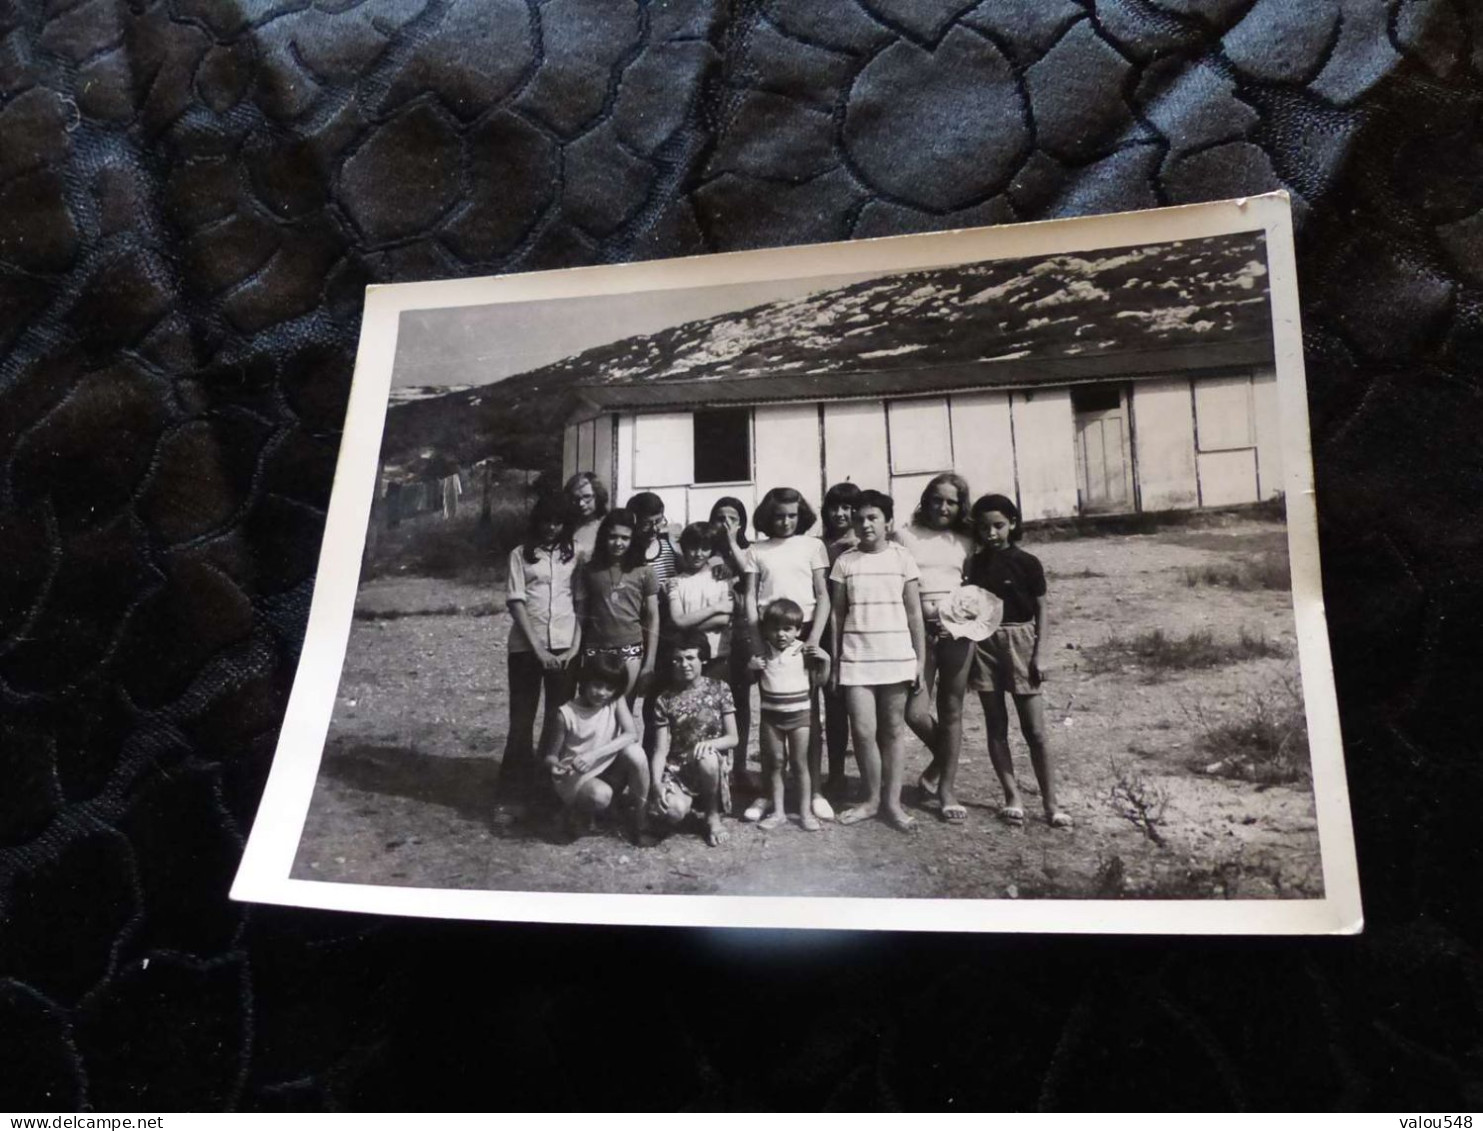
(695, 721)
(592, 751)
(1009, 660)
(790, 671)
(879, 639)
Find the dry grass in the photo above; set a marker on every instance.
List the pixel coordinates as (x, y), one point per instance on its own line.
(1266, 741)
(470, 545)
(1268, 571)
(1159, 654)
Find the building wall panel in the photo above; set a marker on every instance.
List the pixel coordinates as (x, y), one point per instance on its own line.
(855, 445)
(786, 451)
(1223, 418)
(921, 439)
(623, 487)
(586, 434)
(1045, 452)
(602, 449)
(569, 451)
(1268, 434)
(663, 450)
(1164, 445)
(905, 491)
(983, 447)
(1227, 478)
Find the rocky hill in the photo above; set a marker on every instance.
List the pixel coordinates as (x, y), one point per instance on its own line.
(1087, 303)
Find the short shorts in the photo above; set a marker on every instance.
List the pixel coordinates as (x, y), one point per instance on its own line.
(787, 720)
(1002, 662)
(626, 651)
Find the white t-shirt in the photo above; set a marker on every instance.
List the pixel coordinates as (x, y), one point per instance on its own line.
(692, 592)
(785, 568)
(941, 555)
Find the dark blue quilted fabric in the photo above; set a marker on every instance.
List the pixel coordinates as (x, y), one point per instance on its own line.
(193, 194)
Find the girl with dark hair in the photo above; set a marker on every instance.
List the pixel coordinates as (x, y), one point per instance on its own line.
(592, 754)
(732, 549)
(937, 539)
(878, 638)
(838, 536)
(785, 564)
(839, 518)
(1009, 660)
(545, 638)
(588, 496)
(621, 599)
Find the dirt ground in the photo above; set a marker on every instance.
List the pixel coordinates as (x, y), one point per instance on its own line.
(419, 725)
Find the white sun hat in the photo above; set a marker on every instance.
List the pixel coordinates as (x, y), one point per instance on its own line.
(970, 613)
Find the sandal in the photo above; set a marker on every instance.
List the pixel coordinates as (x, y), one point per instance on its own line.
(953, 814)
(1012, 815)
(757, 810)
(1060, 819)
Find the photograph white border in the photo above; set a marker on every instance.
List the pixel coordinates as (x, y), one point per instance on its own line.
(264, 874)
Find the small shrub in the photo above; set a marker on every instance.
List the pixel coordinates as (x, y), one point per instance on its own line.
(1159, 653)
(1266, 742)
(1079, 575)
(1137, 800)
(1270, 571)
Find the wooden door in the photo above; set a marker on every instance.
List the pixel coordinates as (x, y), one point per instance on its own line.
(1103, 464)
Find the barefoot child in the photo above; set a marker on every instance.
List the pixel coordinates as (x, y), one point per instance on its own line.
(696, 598)
(789, 671)
(592, 751)
(877, 623)
(1009, 660)
(937, 539)
(622, 601)
(838, 536)
(696, 732)
(545, 638)
(792, 566)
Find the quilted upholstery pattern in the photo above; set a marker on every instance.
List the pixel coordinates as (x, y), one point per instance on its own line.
(193, 194)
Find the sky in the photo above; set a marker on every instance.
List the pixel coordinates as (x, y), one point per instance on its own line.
(477, 345)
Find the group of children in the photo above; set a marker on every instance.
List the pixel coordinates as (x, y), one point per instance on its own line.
(851, 635)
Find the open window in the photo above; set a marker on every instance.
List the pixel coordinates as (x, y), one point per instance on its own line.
(723, 445)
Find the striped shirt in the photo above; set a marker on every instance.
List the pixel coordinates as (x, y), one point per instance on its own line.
(942, 556)
(875, 645)
(784, 682)
(660, 557)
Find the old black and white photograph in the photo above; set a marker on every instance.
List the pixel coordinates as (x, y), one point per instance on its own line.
(962, 581)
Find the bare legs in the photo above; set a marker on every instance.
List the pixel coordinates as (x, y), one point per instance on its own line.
(782, 749)
(1031, 712)
(628, 774)
(878, 722)
(676, 804)
(948, 664)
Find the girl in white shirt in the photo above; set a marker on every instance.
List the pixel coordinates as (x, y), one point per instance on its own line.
(545, 638)
(787, 564)
(938, 540)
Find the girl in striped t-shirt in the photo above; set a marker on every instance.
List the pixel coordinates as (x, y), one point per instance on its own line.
(879, 642)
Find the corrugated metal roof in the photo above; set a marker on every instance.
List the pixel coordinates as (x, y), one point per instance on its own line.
(1014, 373)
